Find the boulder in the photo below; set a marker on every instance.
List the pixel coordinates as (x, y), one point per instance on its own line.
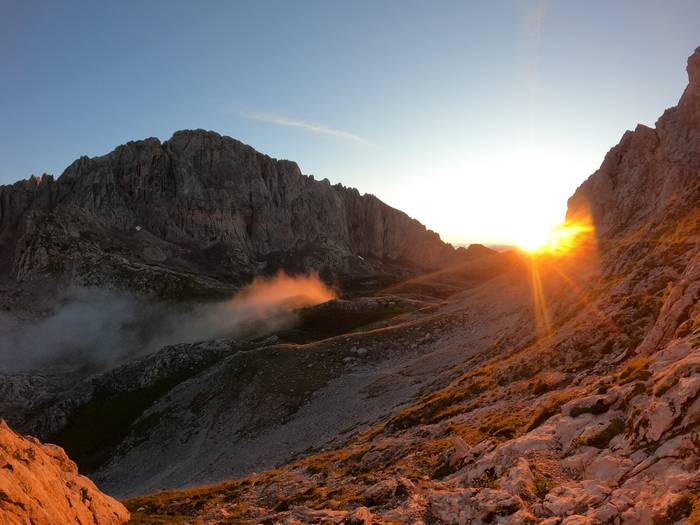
(39, 484)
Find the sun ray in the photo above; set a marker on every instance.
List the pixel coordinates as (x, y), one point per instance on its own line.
(543, 323)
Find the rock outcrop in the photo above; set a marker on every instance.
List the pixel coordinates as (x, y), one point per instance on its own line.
(201, 211)
(648, 184)
(40, 485)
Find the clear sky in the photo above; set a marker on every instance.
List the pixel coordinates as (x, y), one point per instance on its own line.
(477, 118)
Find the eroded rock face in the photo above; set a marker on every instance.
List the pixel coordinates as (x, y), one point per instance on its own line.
(39, 484)
(167, 216)
(649, 181)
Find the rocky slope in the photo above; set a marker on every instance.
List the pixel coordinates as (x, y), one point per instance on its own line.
(199, 213)
(41, 486)
(576, 399)
(160, 421)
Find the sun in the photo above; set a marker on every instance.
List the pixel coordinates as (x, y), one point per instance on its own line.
(556, 241)
(532, 241)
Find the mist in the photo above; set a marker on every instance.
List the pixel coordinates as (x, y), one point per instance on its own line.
(96, 328)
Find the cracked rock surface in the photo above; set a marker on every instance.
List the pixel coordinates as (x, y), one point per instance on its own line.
(41, 486)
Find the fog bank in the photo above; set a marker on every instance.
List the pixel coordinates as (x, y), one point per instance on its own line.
(99, 328)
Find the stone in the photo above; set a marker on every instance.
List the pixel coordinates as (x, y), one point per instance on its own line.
(359, 516)
(39, 484)
(388, 489)
(202, 204)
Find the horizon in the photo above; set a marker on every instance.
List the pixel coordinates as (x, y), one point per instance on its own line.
(477, 120)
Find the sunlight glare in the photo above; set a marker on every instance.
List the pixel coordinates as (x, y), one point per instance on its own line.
(557, 241)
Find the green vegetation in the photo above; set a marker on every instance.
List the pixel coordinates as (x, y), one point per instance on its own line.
(327, 320)
(601, 439)
(101, 424)
(636, 370)
(666, 385)
(436, 407)
(486, 481)
(543, 484)
(549, 408)
(540, 387)
(444, 469)
(179, 507)
(685, 507)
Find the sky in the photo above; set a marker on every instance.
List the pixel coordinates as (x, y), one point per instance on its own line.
(479, 119)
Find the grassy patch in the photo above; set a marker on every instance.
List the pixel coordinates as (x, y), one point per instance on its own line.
(335, 318)
(444, 469)
(486, 481)
(637, 369)
(549, 408)
(179, 507)
(96, 428)
(685, 507)
(601, 439)
(666, 385)
(437, 406)
(543, 484)
(540, 387)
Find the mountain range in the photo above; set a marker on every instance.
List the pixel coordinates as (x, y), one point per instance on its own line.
(436, 386)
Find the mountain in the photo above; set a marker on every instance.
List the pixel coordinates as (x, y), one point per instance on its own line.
(41, 486)
(201, 412)
(443, 386)
(560, 390)
(123, 343)
(197, 215)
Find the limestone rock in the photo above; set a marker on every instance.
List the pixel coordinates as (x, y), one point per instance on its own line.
(40, 485)
(386, 490)
(359, 516)
(165, 215)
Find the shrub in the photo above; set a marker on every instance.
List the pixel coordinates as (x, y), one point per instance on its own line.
(601, 439)
(543, 484)
(636, 369)
(486, 481)
(548, 409)
(684, 506)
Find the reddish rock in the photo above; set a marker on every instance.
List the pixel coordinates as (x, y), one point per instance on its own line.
(40, 485)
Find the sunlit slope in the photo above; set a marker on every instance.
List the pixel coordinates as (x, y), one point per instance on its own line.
(581, 407)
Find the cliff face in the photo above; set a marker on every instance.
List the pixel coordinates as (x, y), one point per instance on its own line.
(40, 485)
(649, 182)
(201, 204)
(645, 204)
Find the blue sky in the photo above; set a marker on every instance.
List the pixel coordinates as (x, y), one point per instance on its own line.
(477, 118)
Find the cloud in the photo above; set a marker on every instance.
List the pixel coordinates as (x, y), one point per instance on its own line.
(97, 329)
(289, 122)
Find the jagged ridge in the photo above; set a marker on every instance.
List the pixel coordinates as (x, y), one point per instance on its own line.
(166, 216)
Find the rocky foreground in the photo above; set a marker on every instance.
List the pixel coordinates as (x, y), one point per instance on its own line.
(583, 407)
(41, 486)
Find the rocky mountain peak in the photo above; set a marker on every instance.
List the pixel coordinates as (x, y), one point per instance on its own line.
(693, 67)
(649, 176)
(200, 207)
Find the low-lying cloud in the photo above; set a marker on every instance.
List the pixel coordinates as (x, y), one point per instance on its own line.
(97, 328)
